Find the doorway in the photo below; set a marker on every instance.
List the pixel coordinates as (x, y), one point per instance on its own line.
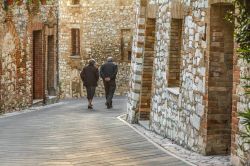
(38, 66)
(51, 81)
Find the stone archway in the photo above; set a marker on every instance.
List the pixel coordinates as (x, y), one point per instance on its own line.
(220, 80)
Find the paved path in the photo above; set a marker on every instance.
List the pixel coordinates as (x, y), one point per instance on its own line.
(71, 135)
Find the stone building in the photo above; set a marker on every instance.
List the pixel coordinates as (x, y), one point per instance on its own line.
(186, 76)
(94, 29)
(28, 55)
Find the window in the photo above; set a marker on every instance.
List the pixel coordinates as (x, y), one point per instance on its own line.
(75, 42)
(126, 44)
(175, 53)
(75, 2)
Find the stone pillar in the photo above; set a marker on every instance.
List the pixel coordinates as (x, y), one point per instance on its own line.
(137, 62)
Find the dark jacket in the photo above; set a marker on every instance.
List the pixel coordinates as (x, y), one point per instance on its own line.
(109, 69)
(90, 75)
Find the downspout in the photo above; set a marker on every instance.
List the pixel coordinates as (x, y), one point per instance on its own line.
(57, 49)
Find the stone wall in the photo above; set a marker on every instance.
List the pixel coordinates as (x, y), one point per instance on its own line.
(194, 102)
(177, 112)
(206, 69)
(102, 25)
(240, 149)
(16, 53)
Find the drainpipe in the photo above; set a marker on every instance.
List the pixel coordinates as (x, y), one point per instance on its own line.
(57, 47)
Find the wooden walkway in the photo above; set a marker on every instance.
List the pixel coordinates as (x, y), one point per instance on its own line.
(71, 135)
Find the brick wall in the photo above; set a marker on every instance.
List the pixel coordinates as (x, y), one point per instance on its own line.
(148, 57)
(220, 81)
(175, 53)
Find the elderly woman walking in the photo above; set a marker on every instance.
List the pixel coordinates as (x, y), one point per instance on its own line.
(90, 77)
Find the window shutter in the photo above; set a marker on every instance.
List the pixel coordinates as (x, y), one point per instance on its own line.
(75, 36)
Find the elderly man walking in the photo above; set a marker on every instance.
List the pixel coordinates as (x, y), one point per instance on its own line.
(108, 72)
(90, 77)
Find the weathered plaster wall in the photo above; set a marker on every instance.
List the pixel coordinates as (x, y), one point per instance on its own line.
(101, 23)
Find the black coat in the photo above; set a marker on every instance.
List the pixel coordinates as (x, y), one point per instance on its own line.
(90, 75)
(109, 69)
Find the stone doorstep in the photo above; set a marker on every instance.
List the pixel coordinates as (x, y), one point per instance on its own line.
(51, 100)
(37, 102)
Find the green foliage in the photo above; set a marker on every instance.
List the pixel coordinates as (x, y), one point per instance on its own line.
(242, 37)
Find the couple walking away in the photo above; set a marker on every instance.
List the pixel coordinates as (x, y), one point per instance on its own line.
(90, 77)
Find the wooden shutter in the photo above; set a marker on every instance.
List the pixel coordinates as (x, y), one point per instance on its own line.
(75, 36)
(75, 2)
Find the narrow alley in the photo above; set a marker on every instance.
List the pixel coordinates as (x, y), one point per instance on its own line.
(179, 71)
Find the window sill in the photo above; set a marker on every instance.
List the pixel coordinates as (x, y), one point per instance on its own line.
(174, 90)
(75, 57)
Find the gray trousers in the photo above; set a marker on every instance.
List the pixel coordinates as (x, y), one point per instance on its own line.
(110, 87)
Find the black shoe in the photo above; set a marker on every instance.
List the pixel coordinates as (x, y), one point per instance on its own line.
(90, 107)
(108, 105)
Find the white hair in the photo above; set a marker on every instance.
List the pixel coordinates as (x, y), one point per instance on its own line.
(92, 62)
(110, 59)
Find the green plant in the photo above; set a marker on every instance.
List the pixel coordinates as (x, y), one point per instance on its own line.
(242, 37)
(246, 122)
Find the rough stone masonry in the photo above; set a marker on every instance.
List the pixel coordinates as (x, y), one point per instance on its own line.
(23, 57)
(102, 28)
(196, 89)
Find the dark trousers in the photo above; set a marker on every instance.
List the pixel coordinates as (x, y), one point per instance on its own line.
(90, 92)
(110, 87)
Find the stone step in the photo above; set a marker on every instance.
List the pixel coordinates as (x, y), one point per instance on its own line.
(37, 102)
(52, 100)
